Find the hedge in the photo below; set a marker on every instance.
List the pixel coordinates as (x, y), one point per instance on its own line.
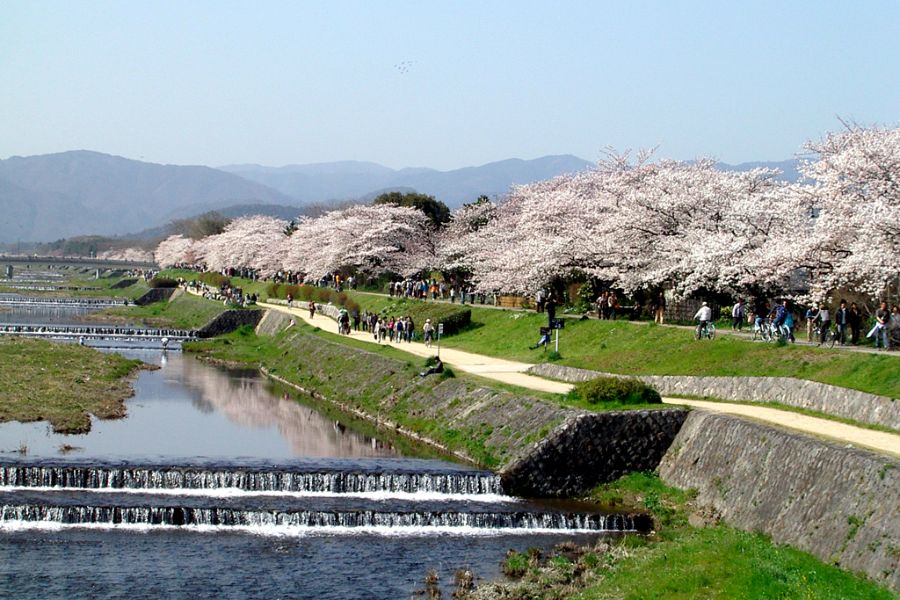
(617, 389)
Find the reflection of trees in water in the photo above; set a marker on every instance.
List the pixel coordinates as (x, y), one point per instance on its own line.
(245, 401)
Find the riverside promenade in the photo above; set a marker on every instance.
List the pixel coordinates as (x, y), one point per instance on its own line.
(514, 373)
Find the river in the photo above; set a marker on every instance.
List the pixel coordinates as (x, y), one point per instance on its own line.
(219, 484)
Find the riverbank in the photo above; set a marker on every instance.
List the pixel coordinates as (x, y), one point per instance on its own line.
(635, 348)
(689, 555)
(62, 383)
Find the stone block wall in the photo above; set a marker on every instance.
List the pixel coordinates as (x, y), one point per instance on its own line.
(829, 399)
(593, 448)
(155, 295)
(840, 504)
(229, 321)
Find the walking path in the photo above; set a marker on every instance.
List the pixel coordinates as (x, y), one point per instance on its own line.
(513, 372)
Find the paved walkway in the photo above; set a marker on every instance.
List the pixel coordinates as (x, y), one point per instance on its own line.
(513, 372)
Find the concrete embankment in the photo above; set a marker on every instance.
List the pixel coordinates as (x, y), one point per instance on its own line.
(843, 505)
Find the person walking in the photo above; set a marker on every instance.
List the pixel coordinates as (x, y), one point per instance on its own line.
(811, 315)
(841, 321)
(659, 312)
(855, 321)
(880, 330)
(737, 315)
(824, 318)
(428, 332)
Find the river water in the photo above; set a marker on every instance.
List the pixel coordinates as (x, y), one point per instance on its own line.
(218, 484)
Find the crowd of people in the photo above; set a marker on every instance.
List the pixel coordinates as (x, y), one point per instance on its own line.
(847, 321)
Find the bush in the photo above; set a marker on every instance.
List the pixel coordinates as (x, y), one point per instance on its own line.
(306, 293)
(617, 389)
(214, 280)
(162, 282)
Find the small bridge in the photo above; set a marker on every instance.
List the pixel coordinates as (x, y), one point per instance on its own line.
(76, 261)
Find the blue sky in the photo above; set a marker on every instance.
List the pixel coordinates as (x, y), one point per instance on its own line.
(294, 82)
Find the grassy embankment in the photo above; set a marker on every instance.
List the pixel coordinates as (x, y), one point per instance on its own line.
(389, 390)
(183, 311)
(678, 560)
(638, 348)
(61, 383)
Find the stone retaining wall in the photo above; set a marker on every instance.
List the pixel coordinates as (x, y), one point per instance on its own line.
(273, 322)
(829, 399)
(229, 321)
(155, 295)
(843, 505)
(593, 448)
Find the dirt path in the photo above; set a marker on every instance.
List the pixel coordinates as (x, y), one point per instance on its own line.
(513, 372)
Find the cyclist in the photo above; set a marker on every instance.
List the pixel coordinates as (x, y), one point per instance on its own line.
(705, 316)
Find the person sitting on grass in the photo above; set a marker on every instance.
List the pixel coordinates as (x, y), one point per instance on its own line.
(438, 367)
(545, 339)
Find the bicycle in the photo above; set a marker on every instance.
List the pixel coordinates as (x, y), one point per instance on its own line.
(708, 330)
(831, 336)
(762, 330)
(777, 332)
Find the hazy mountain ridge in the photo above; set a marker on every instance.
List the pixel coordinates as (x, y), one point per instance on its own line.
(351, 179)
(48, 197)
(111, 194)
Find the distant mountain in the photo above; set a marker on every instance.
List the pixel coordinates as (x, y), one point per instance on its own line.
(60, 195)
(788, 168)
(346, 180)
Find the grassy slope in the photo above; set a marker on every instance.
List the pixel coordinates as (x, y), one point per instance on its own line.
(647, 349)
(713, 562)
(678, 560)
(185, 311)
(61, 383)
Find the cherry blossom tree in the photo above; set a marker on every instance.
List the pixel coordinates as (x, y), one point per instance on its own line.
(854, 239)
(253, 242)
(372, 239)
(176, 249)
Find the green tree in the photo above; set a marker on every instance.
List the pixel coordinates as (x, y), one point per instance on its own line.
(436, 211)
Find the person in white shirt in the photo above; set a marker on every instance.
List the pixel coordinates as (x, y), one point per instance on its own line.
(704, 315)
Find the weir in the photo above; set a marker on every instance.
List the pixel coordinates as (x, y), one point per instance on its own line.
(94, 331)
(272, 500)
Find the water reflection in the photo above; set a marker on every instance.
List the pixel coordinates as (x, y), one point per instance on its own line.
(189, 409)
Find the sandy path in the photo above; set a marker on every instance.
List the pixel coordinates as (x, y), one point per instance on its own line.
(513, 372)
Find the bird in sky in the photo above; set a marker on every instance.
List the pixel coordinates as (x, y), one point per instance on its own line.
(404, 66)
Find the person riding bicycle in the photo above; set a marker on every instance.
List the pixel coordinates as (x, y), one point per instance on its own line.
(705, 316)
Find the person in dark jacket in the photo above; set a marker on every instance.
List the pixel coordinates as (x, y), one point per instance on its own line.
(841, 321)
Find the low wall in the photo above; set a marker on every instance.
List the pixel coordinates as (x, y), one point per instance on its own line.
(229, 321)
(829, 399)
(273, 322)
(843, 505)
(154, 295)
(593, 448)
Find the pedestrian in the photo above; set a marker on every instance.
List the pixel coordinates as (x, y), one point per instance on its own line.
(659, 312)
(824, 318)
(811, 315)
(855, 320)
(880, 330)
(841, 321)
(737, 315)
(428, 332)
(312, 309)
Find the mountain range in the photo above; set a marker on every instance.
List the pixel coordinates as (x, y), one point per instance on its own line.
(53, 196)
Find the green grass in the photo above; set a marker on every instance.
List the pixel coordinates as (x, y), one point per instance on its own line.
(678, 560)
(631, 348)
(61, 383)
(185, 311)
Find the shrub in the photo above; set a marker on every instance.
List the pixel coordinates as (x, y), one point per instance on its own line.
(213, 279)
(617, 389)
(162, 282)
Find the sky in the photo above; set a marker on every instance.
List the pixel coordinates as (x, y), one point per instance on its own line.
(440, 84)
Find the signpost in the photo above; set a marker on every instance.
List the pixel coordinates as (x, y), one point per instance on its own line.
(440, 332)
(557, 324)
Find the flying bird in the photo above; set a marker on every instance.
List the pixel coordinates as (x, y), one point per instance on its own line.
(405, 66)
